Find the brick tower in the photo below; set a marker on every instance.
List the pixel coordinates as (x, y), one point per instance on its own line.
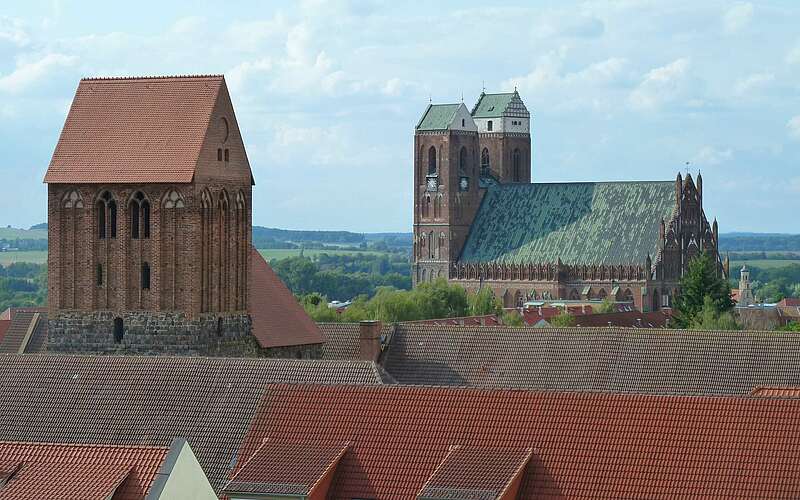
(504, 129)
(149, 212)
(446, 184)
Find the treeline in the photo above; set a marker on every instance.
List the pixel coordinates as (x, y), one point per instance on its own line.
(427, 301)
(750, 242)
(272, 234)
(23, 284)
(740, 256)
(776, 283)
(23, 244)
(304, 276)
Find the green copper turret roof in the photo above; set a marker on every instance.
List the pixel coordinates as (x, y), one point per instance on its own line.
(579, 223)
(497, 105)
(438, 117)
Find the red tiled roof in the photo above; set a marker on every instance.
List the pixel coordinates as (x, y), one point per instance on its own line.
(600, 445)
(279, 468)
(631, 319)
(776, 392)
(789, 302)
(76, 471)
(278, 319)
(130, 130)
(4, 324)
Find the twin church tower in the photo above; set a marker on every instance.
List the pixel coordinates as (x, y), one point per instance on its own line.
(458, 153)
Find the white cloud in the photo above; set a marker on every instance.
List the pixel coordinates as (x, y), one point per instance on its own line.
(29, 73)
(752, 82)
(794, 127)
(11, 29)
(793, 56)
(332, 146)
(709, 156)
(661, 85)
(737, 17)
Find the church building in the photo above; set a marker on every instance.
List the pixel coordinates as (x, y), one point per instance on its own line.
(149, 213)
(479, 221)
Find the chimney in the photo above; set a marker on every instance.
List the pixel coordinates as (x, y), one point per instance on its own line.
(369, 340)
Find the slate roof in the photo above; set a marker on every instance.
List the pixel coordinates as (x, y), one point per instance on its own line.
(150, 400)
(73, 471)
(438, 117)
(580, 223)
(278, 318)
(599, 446)
(131, 130)
(280, 468)
(594, 359)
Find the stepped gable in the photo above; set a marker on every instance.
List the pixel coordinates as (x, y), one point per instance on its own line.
(594, 359)
(578, 223)
(135, 130)
(278, 320)
(149, 401)
(72, 471)
(606, 446)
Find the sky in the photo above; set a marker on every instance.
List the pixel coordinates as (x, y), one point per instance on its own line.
(327, 93)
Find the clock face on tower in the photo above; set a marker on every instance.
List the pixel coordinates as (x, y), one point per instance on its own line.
(464, 184)
(432, 184)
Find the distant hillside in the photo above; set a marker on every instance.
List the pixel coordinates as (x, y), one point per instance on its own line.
(755, 242)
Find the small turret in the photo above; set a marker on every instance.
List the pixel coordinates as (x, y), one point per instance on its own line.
(648, 264)
(662, 233)
(678, 189)
(715, 231)
(700, 187)
(726, 265)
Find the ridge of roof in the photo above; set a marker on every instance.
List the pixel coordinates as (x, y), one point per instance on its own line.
(153, 77)
(437, 125)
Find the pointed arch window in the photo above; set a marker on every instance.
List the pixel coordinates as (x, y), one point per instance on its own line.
(432, 161)
(106, 211)
(145, 276)
(73, 199)
(462, 161)
(485, 166)
(174, 200)
(517, 164)
(139, 210)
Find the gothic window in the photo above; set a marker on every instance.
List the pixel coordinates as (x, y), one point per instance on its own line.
(106, 208)
(437, 207)
(432, 161)
(73, 200)
(573, 295)
(227, 155)
(441, 243)
(426, 206)
(219, 154)
(145, 276)
(139, 209)
(485, 167)
(628, 295)
(602, 294)
(489, 125)
(99, 274)
(462, 161)
(430, 245)
(174, 200)
(517, 164)
(422, 276)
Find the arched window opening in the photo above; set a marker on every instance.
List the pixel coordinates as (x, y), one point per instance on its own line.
(602, 294)
(485, 166)
(73, 200)
(139, 209)
(134, 210)
(227, 155)
(101, 219)
(423, 276)
(99, 274)
(146, 218)
(432, 161)
(112, 218)
(173, 200)
(462, 161)
(489, 125)
(145, 276)
(574, 295)
(426, 206)
(437, 207)
(219, 154)
(430, 245)
(517, 163)
(628, 295)
(119, 330)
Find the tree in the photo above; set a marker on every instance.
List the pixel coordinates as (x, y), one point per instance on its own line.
(484, 302)
(710, 319)
(564, 319)
(512, 318)
(702, 279)
(792, 326)
(606, 306)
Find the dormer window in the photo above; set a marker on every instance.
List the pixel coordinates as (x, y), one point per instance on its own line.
(489, 125)
(463, 122)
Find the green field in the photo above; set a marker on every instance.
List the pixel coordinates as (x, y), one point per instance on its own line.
(281, 253)
(762, 264)
(34, 256)
(10, 233)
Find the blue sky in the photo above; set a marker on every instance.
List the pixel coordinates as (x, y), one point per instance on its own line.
(327, 93)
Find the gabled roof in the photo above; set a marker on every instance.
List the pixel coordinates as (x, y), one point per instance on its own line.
(497, 105)
(599, 446)
(280, 468)
(78, 471)
(579, 223)
(150, 401)
(438, 116)
(277, 317)
(594, 359)
(137, 129)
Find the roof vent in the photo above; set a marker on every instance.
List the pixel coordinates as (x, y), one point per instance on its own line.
(491, 108)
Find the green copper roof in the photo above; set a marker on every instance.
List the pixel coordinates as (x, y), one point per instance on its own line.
(492, 105)
(438, 117)
(580, 223)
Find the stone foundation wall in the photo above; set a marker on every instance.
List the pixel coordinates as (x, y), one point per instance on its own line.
(148, 333)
